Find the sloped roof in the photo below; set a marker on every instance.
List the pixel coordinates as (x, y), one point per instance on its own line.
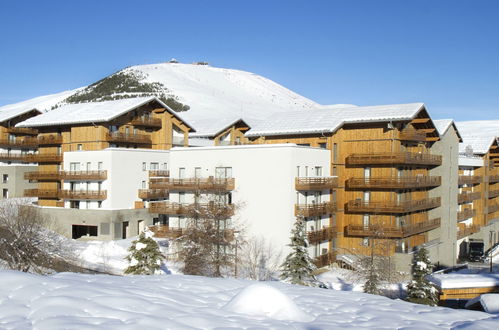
(8, 112)
(479, 135)
(92, 112)
(443, 125)
(329, 120)
(210, 127)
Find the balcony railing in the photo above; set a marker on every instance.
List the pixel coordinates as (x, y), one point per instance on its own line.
(359, 206)
(83, 194)
(466, 214)
(321, 235)
(119, 137)
(153, 193)
(384, 231)
(159, 173)
(493, 193)
(164, 231)
(43, 193)
(26, 142)
(42, 176)
(193, 184)
(394, 182)
(493, 178)
(22, 130)
(84, 175)
(49, 139)
(492, 208)
(412, 135)
(394, 158)
(325, 259)
(468, 197)
(467, 231)
(147, 122)
(315, 209)
(31, 158)
(317, 183)
(222, 210)
(469, 179)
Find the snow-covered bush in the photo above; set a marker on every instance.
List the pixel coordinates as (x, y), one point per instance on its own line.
(145, 258)
(420, 290)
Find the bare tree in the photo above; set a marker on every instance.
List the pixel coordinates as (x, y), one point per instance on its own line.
(259, 260)
(26, 242)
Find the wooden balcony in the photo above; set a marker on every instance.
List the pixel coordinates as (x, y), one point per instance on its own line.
(153, 193)
(84, 175)
(22, 130)
(119, 137)
(41, 193)
(42, 176)
(31, 158)
(325, 259)
(50, 139)
(317, 183)
(159, 173)
(164, 231)
(469, 179)
(414, 182)
(468, 197)
(493, 178)
(382, 231)
(147, 122)
(193, 184)
(26, 142)
(321, 235)
(83, 194)
(394, 158)
(315, 210)
(392, 207)
(189, 209)
(412, 135)
(462, 232)
(466, 214)
(493, 193)
(493, 208)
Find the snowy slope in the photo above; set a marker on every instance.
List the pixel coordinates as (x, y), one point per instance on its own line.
(42, 103)
(75, 301)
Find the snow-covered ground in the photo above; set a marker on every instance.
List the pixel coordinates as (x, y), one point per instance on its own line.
(76, 301)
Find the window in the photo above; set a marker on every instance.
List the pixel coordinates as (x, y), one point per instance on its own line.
(99, 166)
(323, 145)
(154, 166)
(165, 166)
(318, 171)
(197, 172)
(113, 128)
(223, 172)
(298, 171)
(89, 166)
(181, 197)
(5, 193)
(5, 178)
(143, 185)
(73, 166)
(79, 147)
(181, 173)
(335, 171)
(335, 152)
(365, 241)
(135, 131)
(144, 166)
(99, 204)
(127, 130)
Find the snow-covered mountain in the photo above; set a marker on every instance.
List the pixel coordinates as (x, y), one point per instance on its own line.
(207, 92)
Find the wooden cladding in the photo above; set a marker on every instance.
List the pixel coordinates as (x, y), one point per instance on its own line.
(188, 209)
(394, 182)
(48, 139)
(42, 175)
(468, 197)
(394, 158)
(325, 259)
(147, 122)
(382, 231)
(466, 214)
(153, 193)
(83, 175)
(412, 135)
(27, 142)
(193, 184)
(321, 235)
(315, 210)
(120, 137)
(493, 208)
(392, 207)
(493, 193)
(316, 183)
(83, 194)
(493, 178)
(462, 232)
(469, 179)
(45, 193)
(22, 130)
(159, 173)
(31, 158)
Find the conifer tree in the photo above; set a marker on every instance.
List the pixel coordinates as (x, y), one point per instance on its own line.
(420, 290)
(145, 257)
(298, 266)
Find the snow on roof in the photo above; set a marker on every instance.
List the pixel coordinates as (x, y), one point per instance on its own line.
(200, 142)
(8, 112)
(329, 120)
(91, 112)
(443, 125)
(210, 127)
(456, 281)
(479, 134)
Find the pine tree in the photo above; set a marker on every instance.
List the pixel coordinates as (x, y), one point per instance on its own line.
(420, 290)
(145, 257)
(298, 266)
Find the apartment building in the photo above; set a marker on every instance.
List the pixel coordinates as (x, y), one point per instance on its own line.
(17, 151)
(145, 123)
(218, 132)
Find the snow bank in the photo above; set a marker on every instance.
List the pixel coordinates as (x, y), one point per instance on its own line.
(455, 281)
(264, 300)
(490, 303)
(77, 301)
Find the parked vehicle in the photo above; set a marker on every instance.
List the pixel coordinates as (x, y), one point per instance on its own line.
(475, 250)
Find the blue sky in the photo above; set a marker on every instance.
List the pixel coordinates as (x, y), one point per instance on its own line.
(443, 53)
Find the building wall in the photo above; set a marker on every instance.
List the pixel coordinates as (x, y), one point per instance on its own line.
(15, 183)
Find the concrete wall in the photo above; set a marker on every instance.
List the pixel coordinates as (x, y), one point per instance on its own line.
(15, 183)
